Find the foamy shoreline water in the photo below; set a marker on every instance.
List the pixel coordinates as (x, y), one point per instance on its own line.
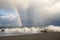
(26, 30)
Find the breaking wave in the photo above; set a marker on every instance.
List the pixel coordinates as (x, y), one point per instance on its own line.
(50, 28)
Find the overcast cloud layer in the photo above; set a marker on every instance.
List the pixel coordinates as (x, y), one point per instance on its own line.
(39, 12)
(35, 12)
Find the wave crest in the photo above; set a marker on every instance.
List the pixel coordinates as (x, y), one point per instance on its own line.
(50, 28)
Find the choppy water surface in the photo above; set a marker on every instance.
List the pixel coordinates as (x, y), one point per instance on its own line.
(26, 30)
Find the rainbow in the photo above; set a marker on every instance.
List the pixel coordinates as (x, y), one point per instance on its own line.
(14, 6)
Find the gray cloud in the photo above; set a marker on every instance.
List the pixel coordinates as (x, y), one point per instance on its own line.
(8, 14)
(8, 20)
(35, 12)
(6, 4)
(39, 12)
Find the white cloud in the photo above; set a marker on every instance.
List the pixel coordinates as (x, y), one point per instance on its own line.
(8, 16)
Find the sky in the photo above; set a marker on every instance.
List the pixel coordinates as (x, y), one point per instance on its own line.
(31, 12)
(8, 15)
